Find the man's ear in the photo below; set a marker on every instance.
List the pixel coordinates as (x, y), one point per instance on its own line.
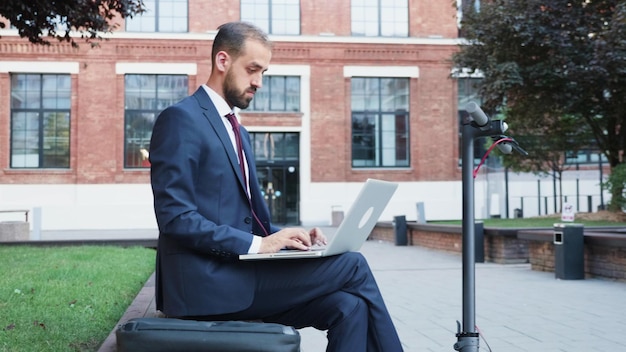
(222, 61)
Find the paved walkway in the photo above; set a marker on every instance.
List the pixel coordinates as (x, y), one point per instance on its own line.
(517, 309)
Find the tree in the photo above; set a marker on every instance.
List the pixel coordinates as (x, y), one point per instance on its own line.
(549, 61)
(548, 146)
(38, 20)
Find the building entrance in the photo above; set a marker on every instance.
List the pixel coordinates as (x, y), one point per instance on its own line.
(278, 173)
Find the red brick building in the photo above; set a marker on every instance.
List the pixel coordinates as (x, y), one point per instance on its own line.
(356, 89)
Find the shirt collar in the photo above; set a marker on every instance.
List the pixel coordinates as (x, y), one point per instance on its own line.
(220, 104)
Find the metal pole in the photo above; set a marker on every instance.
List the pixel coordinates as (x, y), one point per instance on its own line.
(468, 234)
(539, 197)
(601, 180)
(467, 335)
(506, 191)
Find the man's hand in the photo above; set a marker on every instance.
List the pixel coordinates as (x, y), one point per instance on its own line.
(292, 238)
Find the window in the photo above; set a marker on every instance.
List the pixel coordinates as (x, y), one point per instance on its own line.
(275, 146)
(380, 122)
(145, 97)
(463, 6)
(279, 93)
(160, 16)
(273, 16)
(40, 120)
(380, 18)
(590, 155)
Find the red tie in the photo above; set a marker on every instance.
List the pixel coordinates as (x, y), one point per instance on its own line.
(233, 121)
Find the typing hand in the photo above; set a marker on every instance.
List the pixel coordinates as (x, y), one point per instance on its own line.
(292, 238)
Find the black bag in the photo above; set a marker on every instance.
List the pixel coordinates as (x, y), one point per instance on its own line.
(165, 334)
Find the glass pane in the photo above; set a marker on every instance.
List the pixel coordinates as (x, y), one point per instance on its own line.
(363, 140)
(292, 146)
(138, 132)
(25, 139)
(145, 22)
(140, 92)
(259, 144)
(293, 94)
(358, 94)
(25, 91)
(56, 91)
(261, 101)
(372, 94)
(257, 12)
(277, 91)
(56, 140)
(170, 90)
(395, 94)
(275, 146)
(285, 18)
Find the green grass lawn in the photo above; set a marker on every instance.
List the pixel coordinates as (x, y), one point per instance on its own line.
(66, 298)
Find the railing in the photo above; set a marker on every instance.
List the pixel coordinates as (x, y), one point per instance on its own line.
(17, 211)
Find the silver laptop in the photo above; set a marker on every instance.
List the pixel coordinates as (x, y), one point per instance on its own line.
(353, 230)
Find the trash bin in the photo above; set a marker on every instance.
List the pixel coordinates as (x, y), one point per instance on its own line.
(336, 215)
(399, 226)
(518, 213)
(569, 251)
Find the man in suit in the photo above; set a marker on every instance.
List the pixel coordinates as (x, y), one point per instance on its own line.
(210, 210)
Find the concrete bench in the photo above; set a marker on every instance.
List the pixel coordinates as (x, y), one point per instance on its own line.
(14, 230)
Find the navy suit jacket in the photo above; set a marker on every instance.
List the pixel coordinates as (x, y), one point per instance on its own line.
(204, 216)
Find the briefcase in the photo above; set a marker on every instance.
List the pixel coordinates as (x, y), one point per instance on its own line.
(166, 334)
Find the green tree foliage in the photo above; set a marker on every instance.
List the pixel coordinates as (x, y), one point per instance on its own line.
(39, 20)
(554, 66)
(617, 179)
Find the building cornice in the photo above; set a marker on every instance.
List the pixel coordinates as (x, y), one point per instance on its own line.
(321, 38)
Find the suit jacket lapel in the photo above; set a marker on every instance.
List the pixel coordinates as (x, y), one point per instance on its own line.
(211, 114)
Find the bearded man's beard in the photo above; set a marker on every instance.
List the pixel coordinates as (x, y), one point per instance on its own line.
(233, 96)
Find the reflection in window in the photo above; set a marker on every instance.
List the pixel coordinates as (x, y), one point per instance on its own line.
(40, 120)
(279, 93)
(145, 97)
(380, 122)
(380, 18)
(273, 16)
(275, 146)
(160, 16)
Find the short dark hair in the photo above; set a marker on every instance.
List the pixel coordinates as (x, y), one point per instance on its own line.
(232, 36)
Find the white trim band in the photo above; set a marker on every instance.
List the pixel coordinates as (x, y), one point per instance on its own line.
(70, 67)
(122, 68)
(381, 71)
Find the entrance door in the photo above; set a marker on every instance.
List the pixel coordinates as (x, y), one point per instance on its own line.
(280, 189)
(277, 162)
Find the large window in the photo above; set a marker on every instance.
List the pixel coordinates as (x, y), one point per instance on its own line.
(273, 16)
(40, 120)
(160, 16)
(380, 18)
(275, 146)
(145, 97)
(279, 93)
(380, 122)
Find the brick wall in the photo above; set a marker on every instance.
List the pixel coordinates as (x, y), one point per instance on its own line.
(97, 110)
